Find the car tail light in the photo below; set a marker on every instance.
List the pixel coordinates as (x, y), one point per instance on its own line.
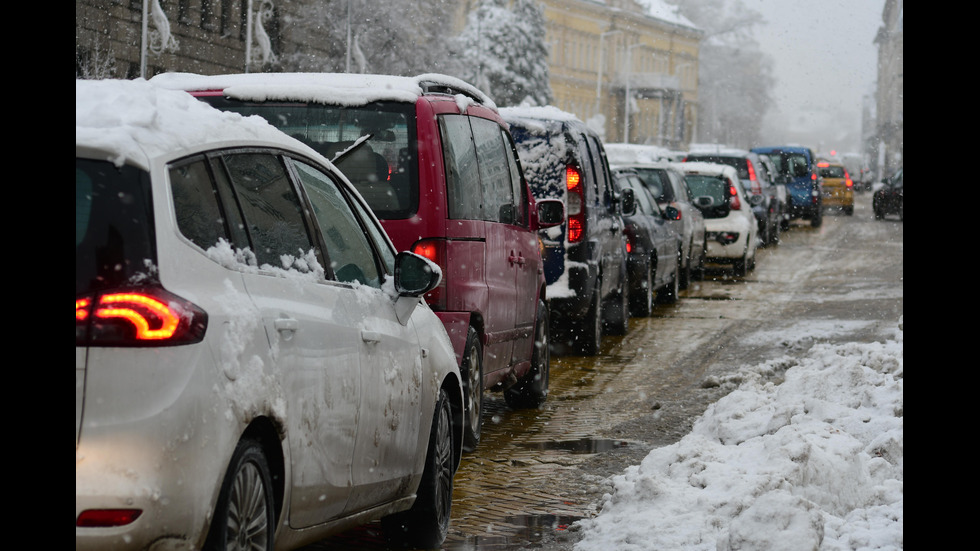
(145, 316)
(575, 213)
(434, 250)
(847, 180)
(734, 202)
(103, 518)
(756, 188)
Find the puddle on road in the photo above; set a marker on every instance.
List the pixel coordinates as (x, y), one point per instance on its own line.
(514, 532)
(584, 445)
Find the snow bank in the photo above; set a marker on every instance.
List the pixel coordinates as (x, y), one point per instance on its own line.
(813, 462)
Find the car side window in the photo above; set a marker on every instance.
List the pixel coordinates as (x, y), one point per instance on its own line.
(517, 183)
(462, 170)
(495, 175)
(348, 248)
(271, 209)
(196, 206)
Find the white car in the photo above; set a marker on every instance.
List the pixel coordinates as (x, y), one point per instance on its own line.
(254, 365)
(730, 225)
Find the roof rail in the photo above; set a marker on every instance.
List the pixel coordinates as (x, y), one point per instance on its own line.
(434, 83)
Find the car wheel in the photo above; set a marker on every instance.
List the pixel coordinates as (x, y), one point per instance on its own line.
(588, 331)
(741, 266)
(426, 524)
(777, 230)
(532, 390)
(616, 317)
(849, 210)
(699, 270)
(244, 517)
(817, 219)
(686, 273)
(472, 372)
(671, 292)
(641, 303)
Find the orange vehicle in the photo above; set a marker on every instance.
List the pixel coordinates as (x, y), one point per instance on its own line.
(838, 188)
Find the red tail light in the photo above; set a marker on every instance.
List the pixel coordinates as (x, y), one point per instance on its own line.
(734, 203)
(847, 180)
(434, 250)
(575, 200)
(146, 316)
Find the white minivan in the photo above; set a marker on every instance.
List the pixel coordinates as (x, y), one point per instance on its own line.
(254, 363)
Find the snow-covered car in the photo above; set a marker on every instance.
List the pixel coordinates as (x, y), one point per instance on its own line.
(433, 159)
(254, 363)
(653, 246)
(732, 228)
(666, 183)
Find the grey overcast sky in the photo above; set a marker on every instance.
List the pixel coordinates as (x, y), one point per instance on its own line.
(825, 62)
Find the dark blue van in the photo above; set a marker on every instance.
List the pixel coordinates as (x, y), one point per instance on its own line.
(796, 168)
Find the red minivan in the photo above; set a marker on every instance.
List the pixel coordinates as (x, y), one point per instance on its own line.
(436, 163)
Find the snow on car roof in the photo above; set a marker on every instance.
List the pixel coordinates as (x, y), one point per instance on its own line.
(328, 88)
(547, 112)
(628, 153)
(700, 167)
(133, 121)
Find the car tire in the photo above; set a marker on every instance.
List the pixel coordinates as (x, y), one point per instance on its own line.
(686, 272)
(587, 332)
(641, 302)
(426, 524)
(777, 230)
(532, 390)
(616, 315)
(670, 292)
(245, 512)
(901, 210)
(817, 220)
(698, 272)
(472, 373)
(849, 211)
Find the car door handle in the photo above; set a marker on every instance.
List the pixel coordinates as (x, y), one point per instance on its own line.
(371, 337)
(516, 258)
(286, 324)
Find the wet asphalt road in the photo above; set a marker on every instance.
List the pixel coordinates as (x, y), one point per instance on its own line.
(538, 471)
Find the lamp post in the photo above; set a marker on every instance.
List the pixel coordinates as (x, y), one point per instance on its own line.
(598, 80)
(626, 95)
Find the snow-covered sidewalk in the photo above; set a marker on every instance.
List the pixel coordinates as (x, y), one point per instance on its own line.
(812, 462)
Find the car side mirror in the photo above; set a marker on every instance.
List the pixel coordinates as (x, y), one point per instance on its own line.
(671, 213)
(629, 202)
(755, 200)
(704, 201)
(551, 212)
(415, 275)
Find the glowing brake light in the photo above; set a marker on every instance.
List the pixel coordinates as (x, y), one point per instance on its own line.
(574, 202)
(847, 180)
(434, 250)
(147, 316)
(735, 203)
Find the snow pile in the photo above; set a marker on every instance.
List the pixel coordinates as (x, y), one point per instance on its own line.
(813, 462)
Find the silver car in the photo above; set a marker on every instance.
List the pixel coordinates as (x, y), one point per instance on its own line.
(253, 363)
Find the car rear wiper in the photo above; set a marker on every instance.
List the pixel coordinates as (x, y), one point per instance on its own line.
(351, 148)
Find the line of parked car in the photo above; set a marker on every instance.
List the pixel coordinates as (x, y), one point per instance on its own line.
(294, 290)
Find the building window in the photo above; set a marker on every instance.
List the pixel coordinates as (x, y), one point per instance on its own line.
(207, 15)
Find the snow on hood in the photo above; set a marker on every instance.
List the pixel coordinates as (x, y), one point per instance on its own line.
(345, 89)
(134, 121)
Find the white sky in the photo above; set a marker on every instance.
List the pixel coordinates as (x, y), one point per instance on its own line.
(825, 62)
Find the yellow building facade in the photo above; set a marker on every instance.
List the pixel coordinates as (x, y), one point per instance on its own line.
(605, 53)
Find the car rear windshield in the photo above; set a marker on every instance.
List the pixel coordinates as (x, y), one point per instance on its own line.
(383, 168)
(790, 165)
(738, 163)
(114, 240)
(702, 185)
(656, 181)
(832, 171)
